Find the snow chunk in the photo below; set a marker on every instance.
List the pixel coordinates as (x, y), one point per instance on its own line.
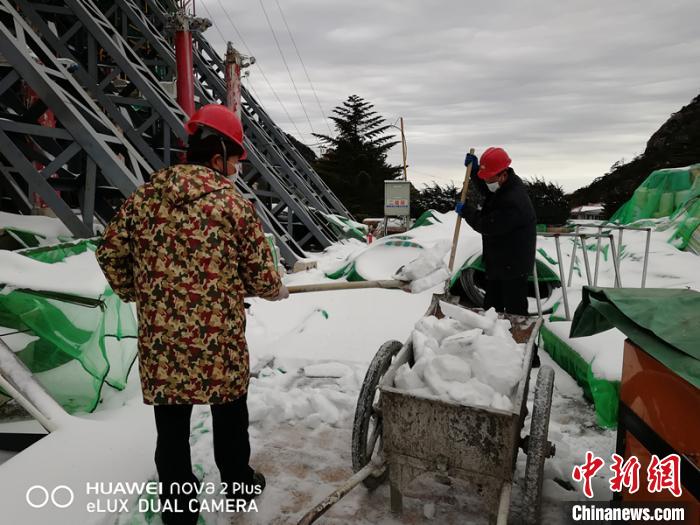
(498, 363)
(423, 345)
(468, 318)
(452, 368)
(477, 366)
(428, 270)
(460, 344)
(439, 328)
(473, 392)
(407, 378)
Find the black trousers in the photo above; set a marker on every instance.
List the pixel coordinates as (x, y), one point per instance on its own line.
(173, 459)
(507, 295)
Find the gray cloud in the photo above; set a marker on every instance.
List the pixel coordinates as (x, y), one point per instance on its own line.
(567, 87)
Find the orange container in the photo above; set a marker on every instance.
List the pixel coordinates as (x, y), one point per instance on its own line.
(659, 414)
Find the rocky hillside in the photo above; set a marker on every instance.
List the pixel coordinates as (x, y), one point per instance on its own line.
(676, 143)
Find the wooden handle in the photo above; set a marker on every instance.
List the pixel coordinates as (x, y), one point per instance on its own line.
(465, 189)
(324, 287)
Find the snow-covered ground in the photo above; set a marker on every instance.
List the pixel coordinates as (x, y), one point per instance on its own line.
(302, 405)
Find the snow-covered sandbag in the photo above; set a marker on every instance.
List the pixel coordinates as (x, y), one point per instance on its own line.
(439, 328)
(497, 362)
(407, 379)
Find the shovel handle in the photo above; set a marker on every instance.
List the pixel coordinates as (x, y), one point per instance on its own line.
(465, 189)
(324, 287)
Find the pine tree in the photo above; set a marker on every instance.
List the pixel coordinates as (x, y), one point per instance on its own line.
(354, 164)
(548, 199)
(439, 198)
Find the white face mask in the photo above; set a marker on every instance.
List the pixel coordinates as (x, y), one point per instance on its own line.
(493, 186)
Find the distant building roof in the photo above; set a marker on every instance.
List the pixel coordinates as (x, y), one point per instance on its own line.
(588, 208)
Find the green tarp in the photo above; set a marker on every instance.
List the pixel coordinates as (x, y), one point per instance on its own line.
(673, 193)
(665, 323)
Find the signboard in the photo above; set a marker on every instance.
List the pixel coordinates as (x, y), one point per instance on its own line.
(397, 198)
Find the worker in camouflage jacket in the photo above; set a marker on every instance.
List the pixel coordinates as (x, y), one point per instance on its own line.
(187, 248)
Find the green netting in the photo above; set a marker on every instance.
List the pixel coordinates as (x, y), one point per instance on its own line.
(604, 394)
(687, 220)
(345, 228)
(81, 346)
(426, 219)
(673, 193)
(273, 248)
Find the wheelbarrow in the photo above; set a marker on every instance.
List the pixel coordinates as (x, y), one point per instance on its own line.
(399, 436)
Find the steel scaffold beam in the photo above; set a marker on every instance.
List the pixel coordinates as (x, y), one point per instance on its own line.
(296, 209)
(85, 151)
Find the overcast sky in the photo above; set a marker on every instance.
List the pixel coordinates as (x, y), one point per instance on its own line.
(566, 87)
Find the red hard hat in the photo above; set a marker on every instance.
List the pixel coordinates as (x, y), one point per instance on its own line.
(492, 162)
(220, 119)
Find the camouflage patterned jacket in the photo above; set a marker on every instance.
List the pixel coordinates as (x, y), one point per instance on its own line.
(187, 248)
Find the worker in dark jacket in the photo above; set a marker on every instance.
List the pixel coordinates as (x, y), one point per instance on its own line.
(507, 224)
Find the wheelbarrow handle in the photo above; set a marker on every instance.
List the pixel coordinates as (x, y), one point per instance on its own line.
(333, 498)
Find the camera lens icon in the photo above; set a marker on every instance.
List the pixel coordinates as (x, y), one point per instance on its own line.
(38, 496)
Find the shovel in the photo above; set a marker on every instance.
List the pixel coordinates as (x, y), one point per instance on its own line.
(325, 287)
(416, 276)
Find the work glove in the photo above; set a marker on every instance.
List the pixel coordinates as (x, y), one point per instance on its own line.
(282, 294)
(469, 212)
(474, 161)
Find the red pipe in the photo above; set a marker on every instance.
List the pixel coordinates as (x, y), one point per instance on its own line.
(185, 70)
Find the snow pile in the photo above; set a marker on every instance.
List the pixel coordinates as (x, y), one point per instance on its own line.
(327, 370)
(76, 275)
(467, 358)
(50, 228)
(279, 396)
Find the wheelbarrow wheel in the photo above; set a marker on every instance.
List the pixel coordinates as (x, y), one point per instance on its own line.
(538, 448)
(367, 427)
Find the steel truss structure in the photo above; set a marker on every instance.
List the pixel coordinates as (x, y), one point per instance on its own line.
(99, 69)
